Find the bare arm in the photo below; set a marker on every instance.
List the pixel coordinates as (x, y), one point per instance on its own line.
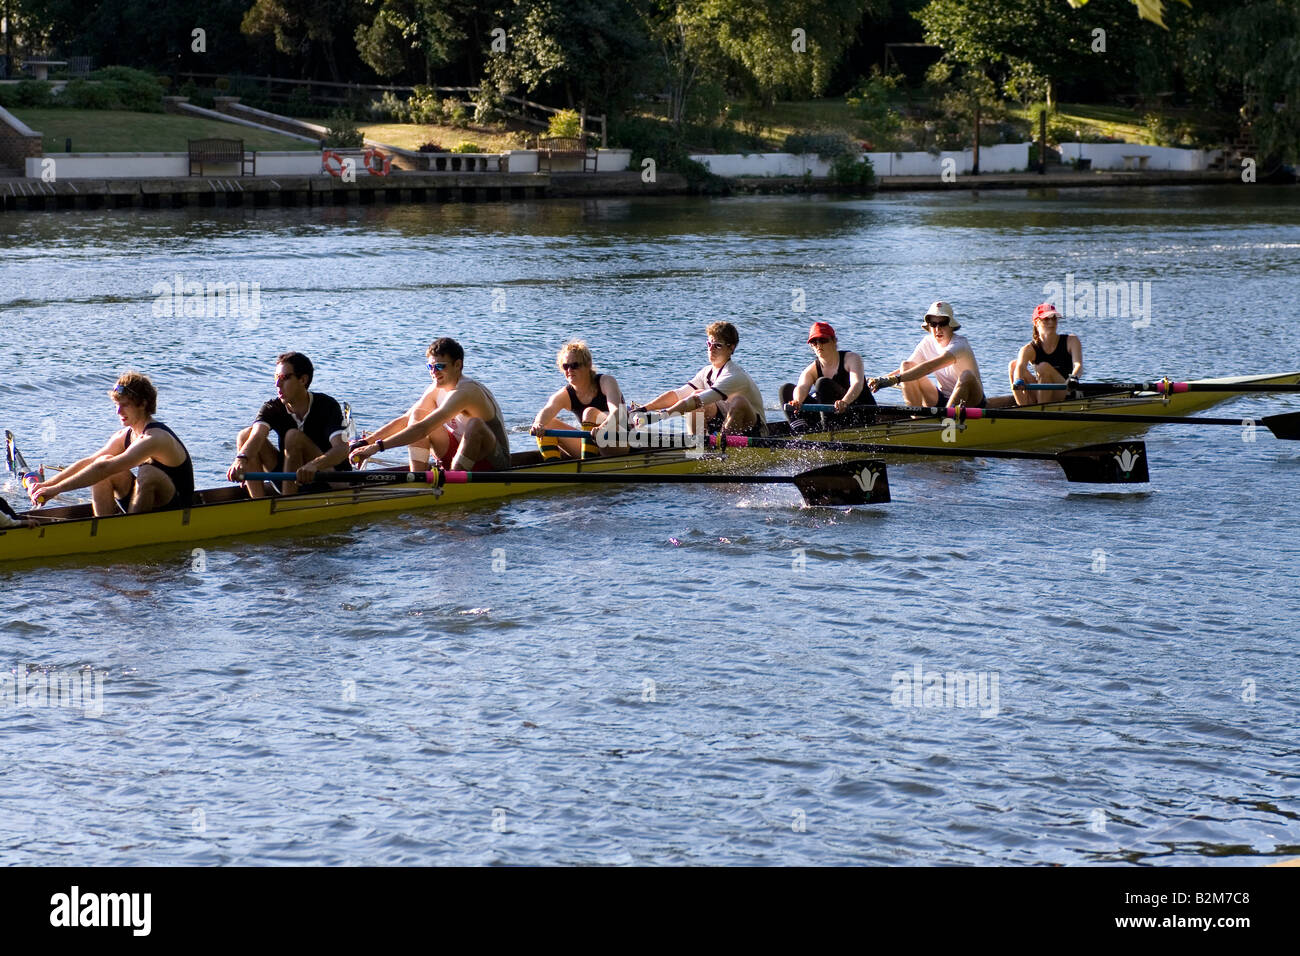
(802, 387)
(1076, 352)
(105, 466)
(550, 410)
(613, 394)
(857, 380)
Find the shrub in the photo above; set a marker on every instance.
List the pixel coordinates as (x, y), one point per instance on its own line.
(849, 170)
(299, 103)
(388, 107)
(342, 132)
(430, 148)
(130, 89)
(466, 147)
(827, 144)
(223, 84)
(423, 106)
(32, 93)
(566, 124)
(487, 104)
(81, 95)
(454, 112)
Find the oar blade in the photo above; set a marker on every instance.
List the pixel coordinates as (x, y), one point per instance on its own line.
(1114, 463)
(861, 482)
(1284, 426)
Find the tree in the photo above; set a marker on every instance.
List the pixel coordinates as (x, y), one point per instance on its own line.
(301, 27)
(1153, 10)
(414, 36)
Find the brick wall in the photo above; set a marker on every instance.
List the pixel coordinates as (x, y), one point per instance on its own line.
(17, 142)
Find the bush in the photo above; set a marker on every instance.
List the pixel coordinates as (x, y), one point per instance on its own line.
(827, 144)
(466, 147)
(130, 89)
(423, 106)
(487, 104)
(454, 113)
(342, 132)
(849, 170)
(388, 107)
(223, 84)
(566, 124)
(32, 93)
(430, 148)
(299, 103)
(80, 95)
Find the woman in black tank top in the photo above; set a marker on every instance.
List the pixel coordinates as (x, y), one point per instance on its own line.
(589, 395)
(846, 387)
(164, 475)
(1055, 359)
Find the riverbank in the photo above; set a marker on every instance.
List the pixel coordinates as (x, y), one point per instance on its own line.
(422, 187)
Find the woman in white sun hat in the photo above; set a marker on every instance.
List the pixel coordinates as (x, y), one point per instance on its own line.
(944, 355)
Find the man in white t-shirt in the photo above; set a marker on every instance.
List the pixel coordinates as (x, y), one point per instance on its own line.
(728, 397)
(945, 355)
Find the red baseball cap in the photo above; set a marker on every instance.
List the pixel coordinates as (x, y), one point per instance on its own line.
(1045, 310)
(821, 330)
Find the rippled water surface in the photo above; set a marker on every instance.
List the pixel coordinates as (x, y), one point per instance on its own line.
(663, 675)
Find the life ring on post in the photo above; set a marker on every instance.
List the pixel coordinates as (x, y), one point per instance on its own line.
(378, 164)
(332, 162)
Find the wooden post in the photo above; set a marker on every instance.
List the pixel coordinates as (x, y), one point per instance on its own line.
(975, 160)
(1042, 142)
(604, 127)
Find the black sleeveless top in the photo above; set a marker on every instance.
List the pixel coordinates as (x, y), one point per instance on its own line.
(841, 378)
(1061, 360)
(600, 402)
(182, 475)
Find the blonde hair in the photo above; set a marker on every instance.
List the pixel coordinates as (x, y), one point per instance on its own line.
(136, 388)
(573, 347)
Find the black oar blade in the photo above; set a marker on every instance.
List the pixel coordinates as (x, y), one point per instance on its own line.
(1284, 426)
(1109, 464)
(862, 482)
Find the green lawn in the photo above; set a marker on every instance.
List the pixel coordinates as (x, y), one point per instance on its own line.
(120, 131)
(413, 136)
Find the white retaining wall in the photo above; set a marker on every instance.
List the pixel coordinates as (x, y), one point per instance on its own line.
(1111, 156)
(146, 165)
(1005, 158)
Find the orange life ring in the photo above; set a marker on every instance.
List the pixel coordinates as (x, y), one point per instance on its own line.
(325, 158)
(384, 161)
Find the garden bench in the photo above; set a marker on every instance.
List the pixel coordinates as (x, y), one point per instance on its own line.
(222, 151)
(564, 147)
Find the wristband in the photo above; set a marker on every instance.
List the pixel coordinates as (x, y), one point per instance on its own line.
(380, 444)
(240, 455)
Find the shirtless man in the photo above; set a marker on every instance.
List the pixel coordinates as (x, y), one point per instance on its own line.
(943, 354)
(164, 474)
(308, 426)
(457, 420)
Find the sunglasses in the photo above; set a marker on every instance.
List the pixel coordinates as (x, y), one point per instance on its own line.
(1048, 318)
(128, 391)
(936, 325)
(821, 340)
(437, 366)
(715, 345)
(570, 366)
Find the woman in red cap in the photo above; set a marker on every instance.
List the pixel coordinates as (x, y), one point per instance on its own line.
(835, 377)
(1056, 359)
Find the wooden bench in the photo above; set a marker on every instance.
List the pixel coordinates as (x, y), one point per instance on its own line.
(225, 151)
(564, 147)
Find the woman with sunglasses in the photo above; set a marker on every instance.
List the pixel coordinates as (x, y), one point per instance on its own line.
(1056, 359)
(722, 391)
(835, 377)
(589, 395)
(943, 354)
(164, 474)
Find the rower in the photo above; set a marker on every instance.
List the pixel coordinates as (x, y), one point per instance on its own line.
(1056, 359)
(310, 433)
(835, 377)
(164, 474)
(944, 355)
(589, 395)
(723, 391)
(457, 420)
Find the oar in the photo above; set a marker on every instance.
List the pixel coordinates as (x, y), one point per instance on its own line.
(17, 464)
(860, 482)
(1110, 463)
(1283, 426)
(1168, 388)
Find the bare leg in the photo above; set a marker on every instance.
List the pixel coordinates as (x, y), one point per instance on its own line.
(741, 416)
(1048, 376)
(153, 489)
(967, 391)
(476, 443)
(104, 494)
(920, 391)
(261, 457)
(593, 416)
(298, 450)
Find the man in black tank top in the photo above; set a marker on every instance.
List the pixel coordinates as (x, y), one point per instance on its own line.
(836, 377)
(164, 473)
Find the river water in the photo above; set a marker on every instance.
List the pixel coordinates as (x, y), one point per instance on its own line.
(664, 676)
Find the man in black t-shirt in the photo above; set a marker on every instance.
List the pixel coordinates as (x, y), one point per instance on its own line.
(304, 423)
